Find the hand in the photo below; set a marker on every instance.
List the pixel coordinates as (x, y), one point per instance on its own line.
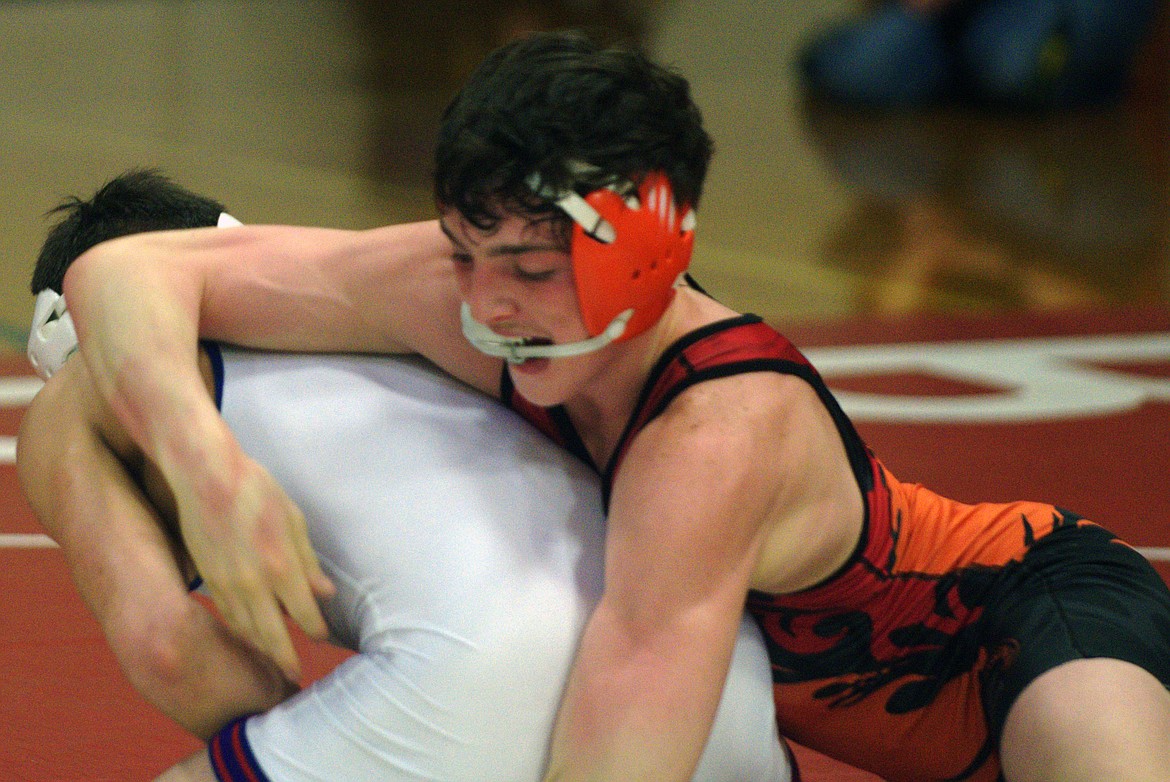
(244, 535)
(249, 542)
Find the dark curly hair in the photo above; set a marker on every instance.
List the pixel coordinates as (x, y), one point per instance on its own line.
(137, 201)
(550, 100)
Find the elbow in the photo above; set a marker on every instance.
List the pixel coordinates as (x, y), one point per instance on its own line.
(163, 654)
(181, 660)
(121, 260)
(158, 650)
(123, 282)
(91, 266)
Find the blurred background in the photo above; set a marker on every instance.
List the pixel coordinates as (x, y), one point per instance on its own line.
(322, 112)
(839, 223)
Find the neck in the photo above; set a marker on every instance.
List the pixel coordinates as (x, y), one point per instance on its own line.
(601, 411)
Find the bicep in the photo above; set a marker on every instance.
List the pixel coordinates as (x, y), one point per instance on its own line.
(682, 537)
(386, 290)
(687, 516)
(692, 507)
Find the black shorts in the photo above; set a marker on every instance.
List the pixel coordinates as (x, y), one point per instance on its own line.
(1078, 593)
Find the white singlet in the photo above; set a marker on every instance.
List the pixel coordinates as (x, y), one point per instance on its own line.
(467, 552)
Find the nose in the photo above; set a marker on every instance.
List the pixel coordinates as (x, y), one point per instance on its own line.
(488, 294)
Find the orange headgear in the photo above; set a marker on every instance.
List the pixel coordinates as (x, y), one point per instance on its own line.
(627, 251)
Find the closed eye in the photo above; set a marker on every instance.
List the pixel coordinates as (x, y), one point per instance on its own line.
(535, 276)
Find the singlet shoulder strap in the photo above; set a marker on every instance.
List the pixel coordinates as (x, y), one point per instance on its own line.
(730, 347)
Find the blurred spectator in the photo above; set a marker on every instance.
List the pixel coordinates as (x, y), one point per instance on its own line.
(1033, 54)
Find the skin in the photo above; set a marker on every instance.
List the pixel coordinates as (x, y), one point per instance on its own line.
(681, 553)
(98, 497)
(196, 768)
(677, 573)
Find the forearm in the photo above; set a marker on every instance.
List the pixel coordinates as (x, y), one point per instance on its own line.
(127, 571)
(141, 302)
(138, 326)
(635, 709)
(138, 305)
(171, 647)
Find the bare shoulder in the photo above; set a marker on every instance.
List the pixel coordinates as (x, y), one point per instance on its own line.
(721, 446)
(63, 424)
(69, 404)
(757, 460)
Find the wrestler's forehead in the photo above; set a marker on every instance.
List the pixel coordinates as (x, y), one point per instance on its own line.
(512, 228)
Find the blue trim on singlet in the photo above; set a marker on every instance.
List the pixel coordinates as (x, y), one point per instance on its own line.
(215, 354)
(231, 755)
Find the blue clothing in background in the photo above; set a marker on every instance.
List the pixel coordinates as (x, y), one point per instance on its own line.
(1017, 53)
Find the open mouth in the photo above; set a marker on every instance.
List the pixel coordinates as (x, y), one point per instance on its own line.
(529, 342)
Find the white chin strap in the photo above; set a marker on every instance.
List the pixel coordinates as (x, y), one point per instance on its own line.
(53, 339)
(515, 351)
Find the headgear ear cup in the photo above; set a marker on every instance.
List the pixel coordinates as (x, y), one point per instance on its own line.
(52, 338)
(638, 269)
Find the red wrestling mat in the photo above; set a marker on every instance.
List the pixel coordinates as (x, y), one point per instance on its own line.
(1073, 409)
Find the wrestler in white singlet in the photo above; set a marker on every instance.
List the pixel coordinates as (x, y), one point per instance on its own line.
(463, 589)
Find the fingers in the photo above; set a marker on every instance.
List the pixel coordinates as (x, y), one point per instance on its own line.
(294, 574)
(293, 589)
(319, 583)
(254, 615)
(274, 638)
(255, 556)
(284, 581)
